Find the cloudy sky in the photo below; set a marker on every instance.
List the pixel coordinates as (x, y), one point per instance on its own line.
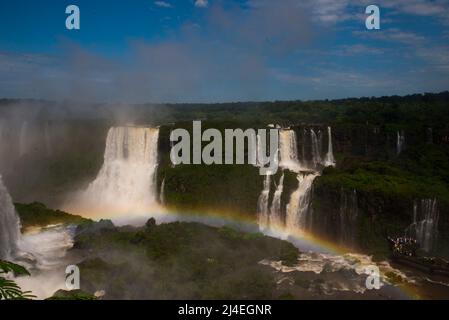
(215, 50)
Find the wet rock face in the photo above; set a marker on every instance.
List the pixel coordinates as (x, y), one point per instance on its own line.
(357, 213)
(363, 220)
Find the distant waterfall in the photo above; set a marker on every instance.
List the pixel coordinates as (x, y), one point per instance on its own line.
(425, 223)
(288, 150)
(303, 146)
(126, 181)
(329, 161)
(288, 153)
(272, 217)
(298, 207)
(262, 204)
(276, 210)
(162, 192)
(297, 215)
(400, 142)
(348, 216)
(316, 149)
(9, 224)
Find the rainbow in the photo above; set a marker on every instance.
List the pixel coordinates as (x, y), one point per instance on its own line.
(305, 241)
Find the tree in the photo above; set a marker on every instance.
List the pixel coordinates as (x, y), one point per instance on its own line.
(9, 290)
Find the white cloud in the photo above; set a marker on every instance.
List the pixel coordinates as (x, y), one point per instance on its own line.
(329, 12)
(393, 35)
(437, 8)
(163, 4)
(438, 57)
(358, 49)
(201, 3)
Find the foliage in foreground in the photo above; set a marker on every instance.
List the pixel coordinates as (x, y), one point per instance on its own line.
(9, 290)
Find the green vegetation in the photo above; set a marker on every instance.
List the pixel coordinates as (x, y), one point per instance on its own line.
(38, 215)
(364, 135)
(72, 295)
(386, 191)
(9, 290)
(180, 261)
(230, 188)
(412, 110)
(383, 178)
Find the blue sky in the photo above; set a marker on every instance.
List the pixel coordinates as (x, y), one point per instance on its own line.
(215, 50)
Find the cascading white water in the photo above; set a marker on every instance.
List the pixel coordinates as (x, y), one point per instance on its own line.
(9, 224)
(303, 146)
(126, 181)
(400, 141)
(299, 204)
(276, 211)
(271, 217)
(45, 254)
(316, 150)
(320, 143)
(425, 221)
(329, 161)
(298, 207)
(162, 192)
(262, 204)
(298, 216)
(288, 150)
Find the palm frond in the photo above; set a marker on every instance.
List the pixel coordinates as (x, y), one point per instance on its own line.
(9, 289)
(18, 270)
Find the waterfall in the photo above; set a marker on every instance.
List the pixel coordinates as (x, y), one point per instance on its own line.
(262, 204)
(162, 193)
(329, 161)
(320, 144)
(400, 142)
(298, 213)
(298, 208)
(9, 224)
(276, 211)
(427, 228)
(126, 181)
(303, 146)
(348, 217)
(316, 150)
(288, 150)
